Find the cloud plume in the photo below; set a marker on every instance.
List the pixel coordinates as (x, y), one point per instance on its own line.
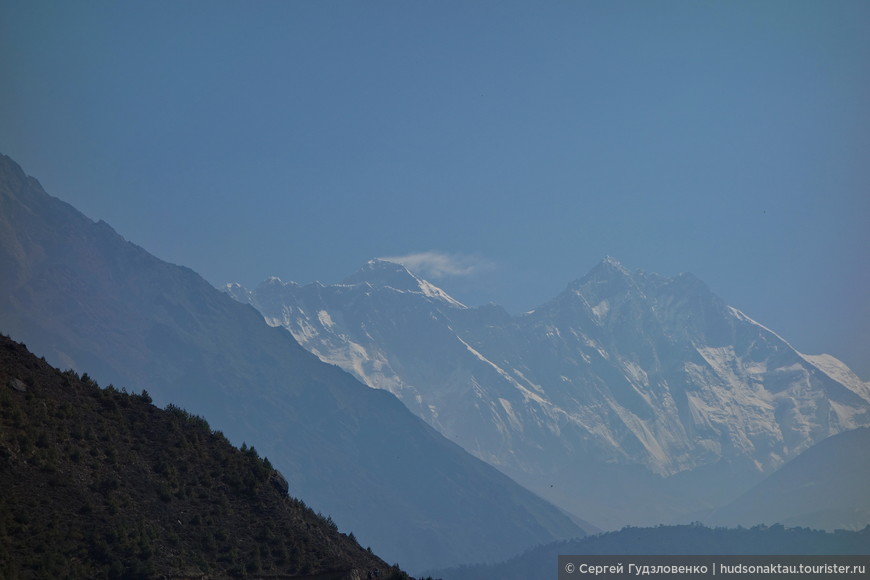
(437, 265)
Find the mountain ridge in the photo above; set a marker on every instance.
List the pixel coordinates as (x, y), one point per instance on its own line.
(620, 369)
(686, 539)
(824, 487)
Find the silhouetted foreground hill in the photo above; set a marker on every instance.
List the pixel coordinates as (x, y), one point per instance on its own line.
(100, 483)
(540, 563)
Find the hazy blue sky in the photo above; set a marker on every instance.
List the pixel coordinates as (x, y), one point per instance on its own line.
(511, 144)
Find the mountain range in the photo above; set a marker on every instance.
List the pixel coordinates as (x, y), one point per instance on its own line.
(629, 399)
(686, 539)
(80, 295)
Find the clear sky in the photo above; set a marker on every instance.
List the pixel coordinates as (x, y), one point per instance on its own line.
(508, 146)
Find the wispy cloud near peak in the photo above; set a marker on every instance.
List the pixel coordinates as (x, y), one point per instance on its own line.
(436, 265)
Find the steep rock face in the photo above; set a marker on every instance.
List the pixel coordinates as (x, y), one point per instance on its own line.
(79, 294)
(630, 398)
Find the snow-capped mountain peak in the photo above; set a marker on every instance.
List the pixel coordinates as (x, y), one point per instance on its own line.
(383, 273)
(628, 376)
(378, 272)
(612, 263)
(238, 292)
(609, 277)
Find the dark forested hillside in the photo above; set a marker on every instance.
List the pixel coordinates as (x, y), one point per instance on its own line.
(101, 483)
